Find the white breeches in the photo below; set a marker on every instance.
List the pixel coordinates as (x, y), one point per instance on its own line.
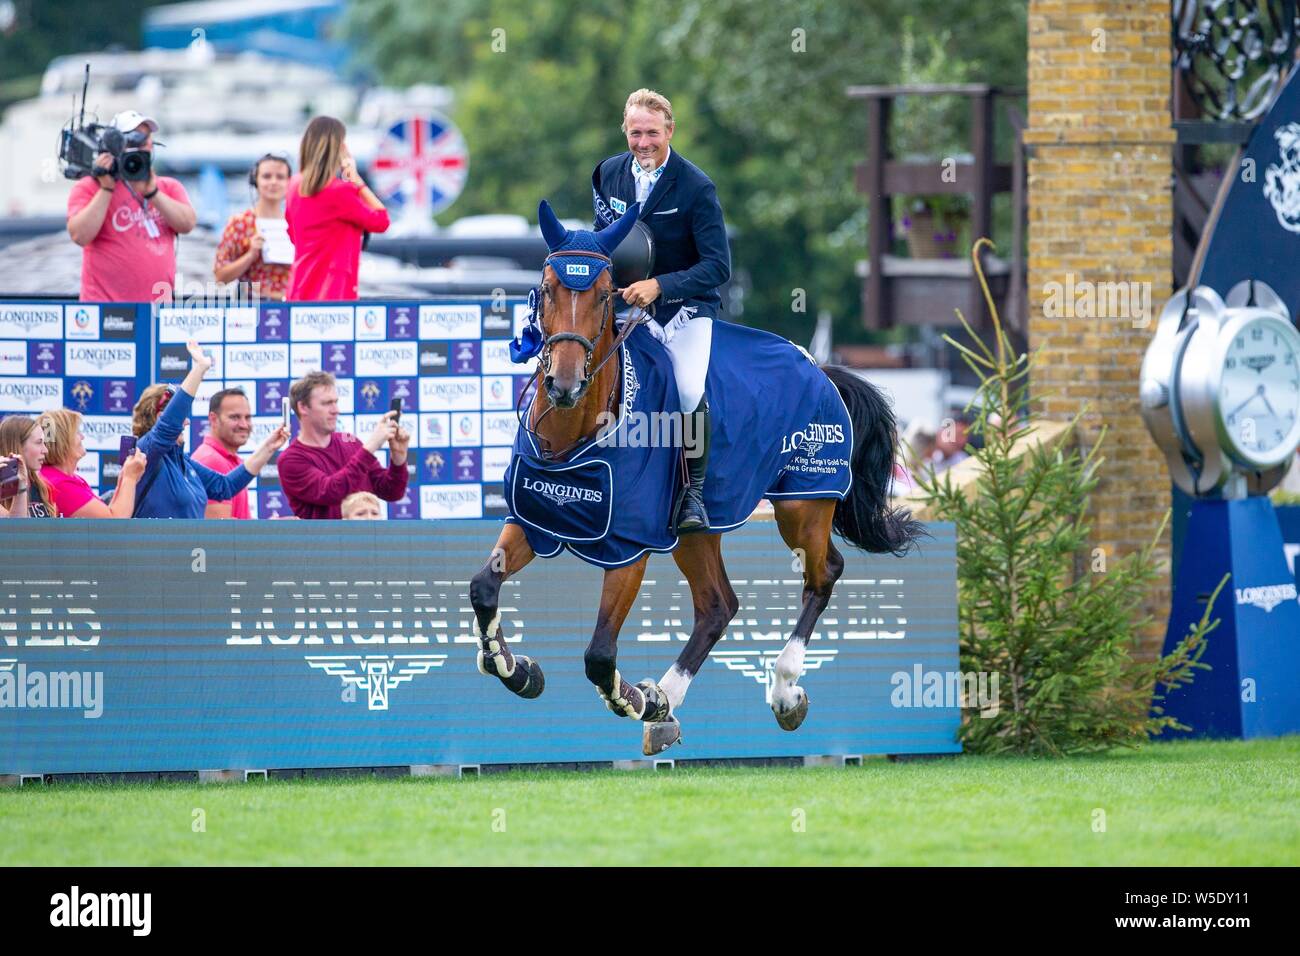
(688, 343)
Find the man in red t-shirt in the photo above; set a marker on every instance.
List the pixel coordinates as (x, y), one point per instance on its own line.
(322, 466)
(127, 230)
(230, 423)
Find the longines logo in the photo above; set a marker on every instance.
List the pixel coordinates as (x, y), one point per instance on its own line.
(450, 321)
(179, 325)
(377, 674)
(450, 499)
(30, 394)
(1267, 597)
(385, 356)
(323, 321)
(562, 494)
(255, 359)
(812, 438)
(25, 320)
(100, 357)
(448, 392)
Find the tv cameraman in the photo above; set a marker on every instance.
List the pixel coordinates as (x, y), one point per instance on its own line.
(127, 229)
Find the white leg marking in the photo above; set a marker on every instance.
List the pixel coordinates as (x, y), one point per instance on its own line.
(674, 684)
(789, 668)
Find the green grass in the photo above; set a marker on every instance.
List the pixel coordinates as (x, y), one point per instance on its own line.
(1191, 803)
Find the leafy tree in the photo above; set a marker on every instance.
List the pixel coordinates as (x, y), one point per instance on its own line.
(759, 92)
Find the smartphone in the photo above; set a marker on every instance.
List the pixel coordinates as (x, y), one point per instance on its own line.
(8, 479)
(284, 411)
(124, 448)
(396, 406)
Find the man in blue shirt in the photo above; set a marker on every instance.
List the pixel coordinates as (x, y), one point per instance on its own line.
(692, 260)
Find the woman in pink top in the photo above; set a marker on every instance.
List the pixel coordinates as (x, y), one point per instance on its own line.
(64, 447)
(328, 208)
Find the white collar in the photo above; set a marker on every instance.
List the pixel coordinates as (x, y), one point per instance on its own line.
(639, 174)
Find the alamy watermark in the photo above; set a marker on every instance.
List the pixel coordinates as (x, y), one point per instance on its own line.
(922, 688)
(1082, 299)
(22, 688)
(635, 429)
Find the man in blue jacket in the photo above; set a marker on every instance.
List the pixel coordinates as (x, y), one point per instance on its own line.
(692, 260)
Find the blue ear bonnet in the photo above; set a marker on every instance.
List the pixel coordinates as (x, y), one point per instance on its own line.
(573, 267)
(578, 257)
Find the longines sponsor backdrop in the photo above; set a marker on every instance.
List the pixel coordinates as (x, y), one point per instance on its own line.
(447, 361)
(91, 358)
(310, 645)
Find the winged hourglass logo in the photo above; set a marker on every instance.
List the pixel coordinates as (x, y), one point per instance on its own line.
(376, 673)
(761, 665)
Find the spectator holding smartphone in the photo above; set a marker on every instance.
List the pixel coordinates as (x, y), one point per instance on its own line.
(14, 486)
(239, 257)
(65, 445)
(328, 209)
(323, 466)
(174, 485)
(21, 439)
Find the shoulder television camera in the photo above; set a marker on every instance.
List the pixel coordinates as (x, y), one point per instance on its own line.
(80, 142)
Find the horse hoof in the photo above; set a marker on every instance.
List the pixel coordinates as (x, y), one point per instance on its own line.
(657, 736)
(536, 682)
(657, 705)
(794, 717)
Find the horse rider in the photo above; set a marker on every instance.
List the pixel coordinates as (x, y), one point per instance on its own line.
(692, 260)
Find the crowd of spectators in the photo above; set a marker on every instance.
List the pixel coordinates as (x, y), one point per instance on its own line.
(325, 473)
(301, 238)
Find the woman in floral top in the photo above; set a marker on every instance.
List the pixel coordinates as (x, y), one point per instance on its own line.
(239, 257)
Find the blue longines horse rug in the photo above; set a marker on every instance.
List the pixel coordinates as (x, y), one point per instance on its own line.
(612, 499)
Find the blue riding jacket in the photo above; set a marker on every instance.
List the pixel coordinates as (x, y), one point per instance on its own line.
(692, 258)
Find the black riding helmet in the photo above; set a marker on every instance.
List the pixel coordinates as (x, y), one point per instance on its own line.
(634, 259)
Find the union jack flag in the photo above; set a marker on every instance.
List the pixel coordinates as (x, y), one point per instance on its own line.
(422, 161)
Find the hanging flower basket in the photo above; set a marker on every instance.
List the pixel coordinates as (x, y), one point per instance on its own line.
(929, 237)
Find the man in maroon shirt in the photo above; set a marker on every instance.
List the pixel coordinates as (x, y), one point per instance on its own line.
(321, 466)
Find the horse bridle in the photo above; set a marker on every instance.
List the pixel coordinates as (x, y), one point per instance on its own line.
(587, 344)
(543, 366)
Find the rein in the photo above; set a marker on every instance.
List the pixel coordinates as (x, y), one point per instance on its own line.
(590, 347)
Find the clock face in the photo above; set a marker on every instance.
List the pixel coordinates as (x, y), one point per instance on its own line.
(1259, 391)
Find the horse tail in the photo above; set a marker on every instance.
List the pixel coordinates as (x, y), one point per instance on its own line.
(864, 517)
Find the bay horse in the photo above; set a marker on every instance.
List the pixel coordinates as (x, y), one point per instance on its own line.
(576, 332)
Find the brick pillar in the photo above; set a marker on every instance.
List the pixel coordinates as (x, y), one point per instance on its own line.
(1100, 212)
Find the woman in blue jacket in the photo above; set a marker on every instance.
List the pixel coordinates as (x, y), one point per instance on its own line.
(174, 485)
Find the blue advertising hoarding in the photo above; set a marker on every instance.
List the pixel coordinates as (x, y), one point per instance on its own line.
(192, 645)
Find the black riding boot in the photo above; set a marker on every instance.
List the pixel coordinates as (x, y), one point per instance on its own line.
(691, 516)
